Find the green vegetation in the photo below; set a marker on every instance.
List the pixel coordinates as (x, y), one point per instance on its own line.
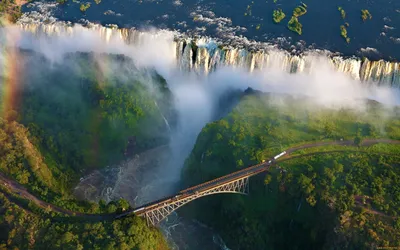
(342, 12)
(294, 24)
(97, 1)
(344, 200)
(248, 9)
(299, 11)
(84, 7)
(90, 119)
(22, 229)
(365, 15)
(343, 30)
(83, 122)
(61, 1)
(9, 11)
(278, 15)
(27, 226)
(343, 33)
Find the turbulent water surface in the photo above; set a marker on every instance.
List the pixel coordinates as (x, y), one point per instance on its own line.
(246, 22)
(231, 54)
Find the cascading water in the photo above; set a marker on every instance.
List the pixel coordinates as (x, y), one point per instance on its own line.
(204, 56)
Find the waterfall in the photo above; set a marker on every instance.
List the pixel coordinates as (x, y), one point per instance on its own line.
(165, 119)
(204, 55)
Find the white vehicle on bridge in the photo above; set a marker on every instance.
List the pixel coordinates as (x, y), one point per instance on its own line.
(279, 155)
(138, 210)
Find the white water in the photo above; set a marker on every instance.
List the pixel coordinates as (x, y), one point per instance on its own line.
(206, 56)
(197, 78)
(165, 119)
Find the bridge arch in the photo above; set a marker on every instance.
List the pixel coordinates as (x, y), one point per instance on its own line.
(158, 212)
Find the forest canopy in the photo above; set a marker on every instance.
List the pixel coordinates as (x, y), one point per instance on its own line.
(346, 199)
(89, 119)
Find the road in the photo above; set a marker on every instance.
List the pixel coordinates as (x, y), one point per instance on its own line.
(250, 171)
(20, 190)
(365, 143)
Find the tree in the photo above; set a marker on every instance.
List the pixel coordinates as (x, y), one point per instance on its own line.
(123, 204)
(311, 200)
(111, 208)
(357, 141)
(67, 237)
(267, 179)
(305, 184)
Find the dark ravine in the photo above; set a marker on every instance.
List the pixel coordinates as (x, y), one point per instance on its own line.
(22, 191)
(202, 56)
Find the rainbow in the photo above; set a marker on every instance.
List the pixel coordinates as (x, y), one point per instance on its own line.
(11, 69)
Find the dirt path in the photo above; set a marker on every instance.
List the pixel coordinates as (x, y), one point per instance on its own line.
(359, 202)
(20, 190)
(365, 143)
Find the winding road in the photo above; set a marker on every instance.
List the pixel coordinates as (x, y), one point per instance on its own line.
(20, 190)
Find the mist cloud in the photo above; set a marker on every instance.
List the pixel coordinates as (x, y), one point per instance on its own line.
(195, 96)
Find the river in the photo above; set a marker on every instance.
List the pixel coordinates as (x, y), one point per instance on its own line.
(266, 58)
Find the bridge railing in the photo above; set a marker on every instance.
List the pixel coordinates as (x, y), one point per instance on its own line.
(183, 193)
(223, 177)
(158, 203)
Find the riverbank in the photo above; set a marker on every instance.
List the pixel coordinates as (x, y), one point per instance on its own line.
(10, 11)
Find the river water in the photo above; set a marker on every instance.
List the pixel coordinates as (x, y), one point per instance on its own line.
(245, 22)
(156, 173)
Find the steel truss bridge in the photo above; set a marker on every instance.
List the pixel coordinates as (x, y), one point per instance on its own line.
(236, 182)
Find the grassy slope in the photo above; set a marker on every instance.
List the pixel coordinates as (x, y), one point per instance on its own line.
(257, 129)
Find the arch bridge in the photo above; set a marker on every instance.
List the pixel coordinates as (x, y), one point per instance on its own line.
(236, 182)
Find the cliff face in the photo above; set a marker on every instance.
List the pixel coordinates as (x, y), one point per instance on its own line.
(309, 202)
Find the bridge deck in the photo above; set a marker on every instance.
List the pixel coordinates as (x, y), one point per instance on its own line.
(246, 172)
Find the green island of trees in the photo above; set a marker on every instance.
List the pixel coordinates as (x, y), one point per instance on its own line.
(365, 15)
(343, 33)
(278, 15)
(248, 9)
(345, 199)
(83, 7)
(57, 132)
(299, 11)
(294, 24)
(342, 12)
